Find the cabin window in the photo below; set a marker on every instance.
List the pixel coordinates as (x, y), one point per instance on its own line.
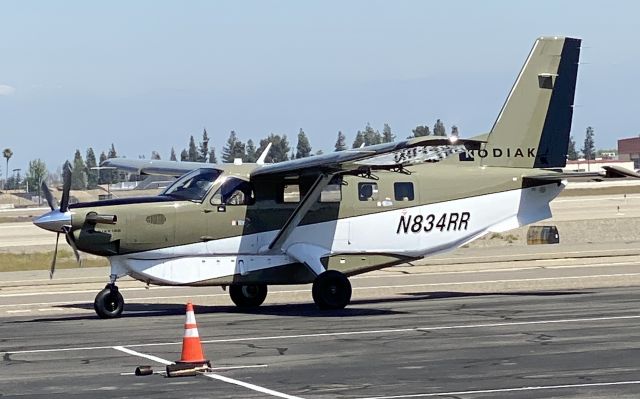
(367, 191)
(291, 193)
(234, 191)
(403, 191)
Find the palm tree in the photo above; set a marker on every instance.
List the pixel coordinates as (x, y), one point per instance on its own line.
(7, 153)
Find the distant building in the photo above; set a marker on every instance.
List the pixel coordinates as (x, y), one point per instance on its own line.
(629, 150)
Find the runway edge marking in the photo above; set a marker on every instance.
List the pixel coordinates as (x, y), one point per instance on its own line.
(501, 390)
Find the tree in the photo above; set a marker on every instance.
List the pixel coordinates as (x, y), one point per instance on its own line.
(112, 175)
(173, 155)
(387, 136)
(589, 149)
(104, 177)
(371, 137)
(155, 155)
(572, 154)
(203, 149)
(212, 156)
(92, 174)
(78, 173)
(193, 150)
(37, 173)
(251, 155)
(341, 144)
(454, 131)
(279, 148)
(439, 129)
(303, 149)
(184, 155)
(233, 149)
(112, 152)
(359, 140)
(7, 153)
(421, 131)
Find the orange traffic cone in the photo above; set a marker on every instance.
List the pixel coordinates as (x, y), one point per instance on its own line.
(191, 346)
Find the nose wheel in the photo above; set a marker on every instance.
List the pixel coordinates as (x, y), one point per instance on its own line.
(109, 302)
(331, 290)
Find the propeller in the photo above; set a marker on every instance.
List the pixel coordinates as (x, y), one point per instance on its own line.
(59, 220)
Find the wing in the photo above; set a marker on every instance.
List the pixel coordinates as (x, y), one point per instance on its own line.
(386, 155)
(610, 172)
(155, 167)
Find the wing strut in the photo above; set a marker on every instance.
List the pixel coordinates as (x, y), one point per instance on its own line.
(299, 213)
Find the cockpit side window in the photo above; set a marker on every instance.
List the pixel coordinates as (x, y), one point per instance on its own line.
(234, 191)
(193, 186)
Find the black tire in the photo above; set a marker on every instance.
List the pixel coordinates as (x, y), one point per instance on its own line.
(331, 290)
(248, 295)
(109, 303)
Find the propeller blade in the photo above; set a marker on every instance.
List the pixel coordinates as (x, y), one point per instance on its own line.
(55, 255)
(66, 187)
(53, 204)
(72, 243)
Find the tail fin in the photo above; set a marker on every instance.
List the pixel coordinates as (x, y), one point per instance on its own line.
(532, 129)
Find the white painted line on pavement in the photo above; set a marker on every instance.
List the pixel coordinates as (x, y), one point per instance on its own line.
(253, 387)
(214, 376)
(501, 390)
(392, 273)
(344, 333)
(155, 288)
(562, 254)
(146, 356)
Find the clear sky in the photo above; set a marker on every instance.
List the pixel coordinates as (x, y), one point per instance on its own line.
(147, 74)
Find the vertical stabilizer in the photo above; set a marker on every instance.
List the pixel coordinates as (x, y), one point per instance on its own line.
(533, 127)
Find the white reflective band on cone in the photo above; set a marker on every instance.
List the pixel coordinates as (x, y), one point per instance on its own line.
(191, 333)
(191, 318)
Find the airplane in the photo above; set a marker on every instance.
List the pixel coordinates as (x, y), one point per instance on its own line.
(325, 218)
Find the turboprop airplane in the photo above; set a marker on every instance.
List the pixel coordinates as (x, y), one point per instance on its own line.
(325, 218)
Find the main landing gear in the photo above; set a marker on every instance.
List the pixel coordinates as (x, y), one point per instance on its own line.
(248, 295)
(331, 290)
(109, 303)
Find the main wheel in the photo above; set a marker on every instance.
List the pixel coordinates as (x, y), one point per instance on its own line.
(248, 295)
(109, 303)
(331, 290)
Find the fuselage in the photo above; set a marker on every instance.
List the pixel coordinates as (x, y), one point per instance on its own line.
(360, 223)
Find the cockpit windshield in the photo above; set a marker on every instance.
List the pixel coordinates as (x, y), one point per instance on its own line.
(193, 186)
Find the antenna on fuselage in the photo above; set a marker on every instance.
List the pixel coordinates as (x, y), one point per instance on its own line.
(264, 154)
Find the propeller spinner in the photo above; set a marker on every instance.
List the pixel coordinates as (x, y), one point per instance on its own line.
(58, 220)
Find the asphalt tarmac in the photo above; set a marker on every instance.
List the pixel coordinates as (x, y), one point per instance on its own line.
(478, 324)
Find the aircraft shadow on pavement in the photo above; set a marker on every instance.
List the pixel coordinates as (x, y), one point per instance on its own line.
(134, 310)
(432, 295)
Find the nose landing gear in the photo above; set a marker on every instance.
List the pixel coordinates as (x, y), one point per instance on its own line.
(109, 302)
